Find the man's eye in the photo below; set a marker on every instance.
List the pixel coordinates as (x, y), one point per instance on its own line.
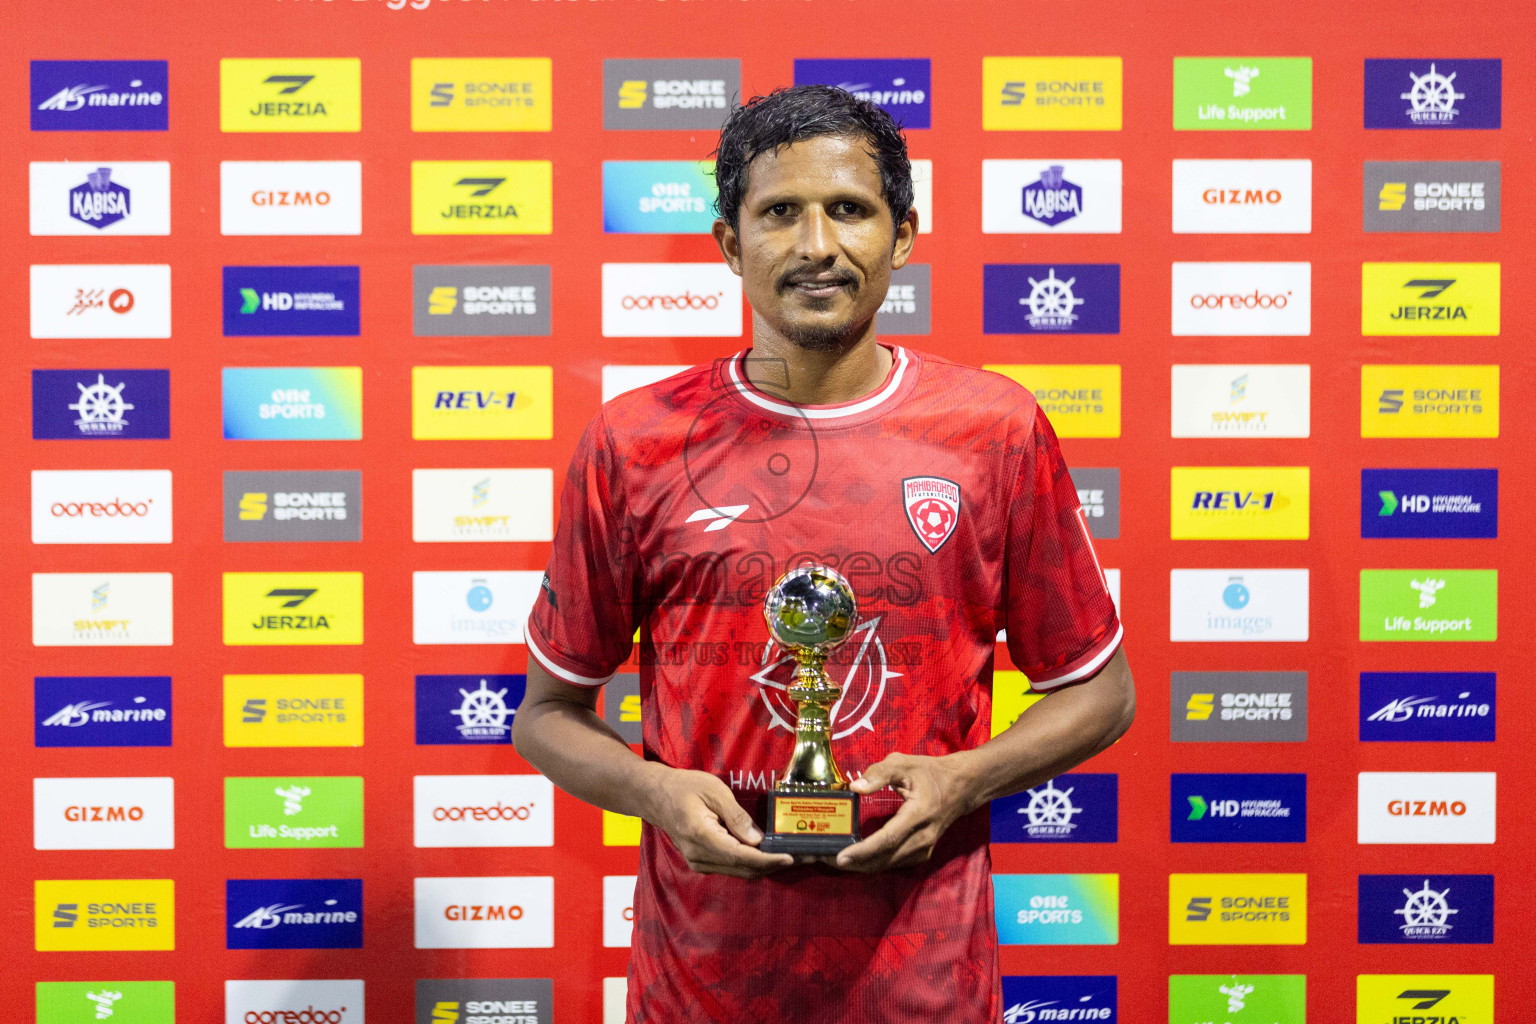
(779, 209)
(849, 209)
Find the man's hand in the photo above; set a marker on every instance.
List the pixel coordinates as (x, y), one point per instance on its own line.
(708, 827)
(934, 797)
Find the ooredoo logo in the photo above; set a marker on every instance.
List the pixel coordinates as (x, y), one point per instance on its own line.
(687, 300)
(667, 300)
(1243, 299)
(1427, 807)
(293, 1002)
(484, 810)
(485, 913)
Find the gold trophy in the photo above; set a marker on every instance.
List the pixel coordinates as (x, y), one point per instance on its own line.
(810, 611)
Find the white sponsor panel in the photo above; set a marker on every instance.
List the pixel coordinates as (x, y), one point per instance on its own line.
(104, 814)
(1242, 197)
(100, 197)
(99, 609)
(293, 1002)
(1242, 400)
(460, 505)
(291, 197)
(619, 379)
(671, 300)
(101, 506)
(473, 607)
(484, 810)
(485, 913)
(1242, 605)
(1051, 196)
(1242, 299)
(101, 300)
(618, 909)
(922, 195)
(616, 994)
(1427, 807)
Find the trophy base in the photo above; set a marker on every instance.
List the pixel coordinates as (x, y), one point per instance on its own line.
(814, 823)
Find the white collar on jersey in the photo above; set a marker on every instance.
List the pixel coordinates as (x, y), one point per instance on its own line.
(815, 412)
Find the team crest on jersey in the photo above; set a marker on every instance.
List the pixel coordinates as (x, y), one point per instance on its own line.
(933, 508)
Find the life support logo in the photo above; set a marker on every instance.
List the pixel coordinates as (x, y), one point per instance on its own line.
(863, 665)
(933, 508)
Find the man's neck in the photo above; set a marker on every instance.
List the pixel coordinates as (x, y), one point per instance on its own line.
(787, 371)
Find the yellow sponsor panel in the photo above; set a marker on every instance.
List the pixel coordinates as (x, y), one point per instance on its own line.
(482, 197)
(484, 403)
(1429, 401)
(89, 915)
(1080, 401)
(297, 608)
(1237, 910)
(1059, 94)
(293, 711)
(1429, 298)
(291, 94)
(620, 829)
(480, 94)
(1011, 697)
(1240, 502)
(1430, 998)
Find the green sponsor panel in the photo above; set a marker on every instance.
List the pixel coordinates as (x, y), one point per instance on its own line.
(1242, 94)
(121, 1002)
(1429, 604)
(293, 812)
(1237, 999)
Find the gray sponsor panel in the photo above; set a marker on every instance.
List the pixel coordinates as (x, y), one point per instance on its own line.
(498, 1000)
(293, 505)
(479, 301)
(621, 706)
(669, 94)
(1099, 492)
(1431, 195)
(1238, 707)
(908, 302)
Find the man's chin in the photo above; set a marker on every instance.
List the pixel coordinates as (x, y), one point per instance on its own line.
(819, 337)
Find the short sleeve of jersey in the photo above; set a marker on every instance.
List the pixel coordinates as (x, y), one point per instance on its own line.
(1061, 621)
(583, 621)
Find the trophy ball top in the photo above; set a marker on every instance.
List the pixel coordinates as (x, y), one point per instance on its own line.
(811, 608)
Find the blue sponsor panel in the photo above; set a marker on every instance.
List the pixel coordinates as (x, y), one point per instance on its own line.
(1037, 999)
(902, 88)
(1428, 707)
(100, 95)
(101, 405)
(467, 710)
(1434, 93)
(1238, 808)
(1079, 808)
(293, 913)
(1051, 298)
(1057, 910)
(101, 711)
(1426, 910)
(1422, 503)
(658, 197)
(269, 302)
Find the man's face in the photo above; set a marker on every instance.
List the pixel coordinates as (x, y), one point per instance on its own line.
(816, 246)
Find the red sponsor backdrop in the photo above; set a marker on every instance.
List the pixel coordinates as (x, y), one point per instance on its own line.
(767, 36)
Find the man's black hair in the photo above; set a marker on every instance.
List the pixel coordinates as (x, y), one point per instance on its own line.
(786, 116)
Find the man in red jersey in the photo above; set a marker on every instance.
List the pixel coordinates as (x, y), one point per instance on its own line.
(939, 491)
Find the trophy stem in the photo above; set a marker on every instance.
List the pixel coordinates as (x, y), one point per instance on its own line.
(811, 765)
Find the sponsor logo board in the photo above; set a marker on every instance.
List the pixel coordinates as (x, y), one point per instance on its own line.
(484, 810)
(90, 609)
(1434, 93)
(622, 708)
(293, 913)
(619, 379)
(100, 95)
(293, 403)
(1421, 503)
(485, 913)
(922, 195)
(283, 608)
(96, 405)
(651, 95)
(1237, 998)
(1242, 299)
(121, 1002)
(473, 607)
(1430, 998)
(1241, 400)
(96, 915)
(1076, 808)
(1238, 808)
(1081, 401)
(101, 506)
(102, 711)
(1429, 298)
(293, 711)
(671, 300)
(293, 812)
(618, 910)
(467, 710)
(1035, 999)
(1242, 197)
(482, 197)
(1427, 807)
(1431, 195)
(104, 814)
(482, 402)
(270, 302)
(1417, 707)
(484, 1001)
(1429, 604)
(1057, 910)
(1051, 94)
(1238, 707)
(286, 1002)
(294, 94)
(290, 197)
(1426, 910)
(902, 88)
(452, 301)
(1052, 195)
(1042, 298)
(1240, 502)
(293, 505)
(474, 505)
(658, 197)
(100, 300)
(1237, 910)
(1242, 94)
(1247, 605)
(908, 304)
(1098, 492)
(481, 94)
(100, 197)
(1429, 401)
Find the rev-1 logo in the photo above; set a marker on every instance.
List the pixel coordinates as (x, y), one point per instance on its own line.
(475, 400)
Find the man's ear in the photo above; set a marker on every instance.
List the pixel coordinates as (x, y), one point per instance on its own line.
(729, 243)
(906, 238)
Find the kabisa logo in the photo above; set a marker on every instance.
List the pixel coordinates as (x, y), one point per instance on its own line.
(902, 88)
(1433, 94)
(1051, 93)
(102, 711)
(482, 402)
(481, 197)
(1452, 707)
(514, 912)
(1239, 604)
(1237, 910)
(1429, 298)
(317, 811)
(1460, 503)
(484, 1001)
(100, 201)
(291, 302)
(1427, 807)
(1429, 401)
(1242, 299)
(658, 197)
(293, 913)
(104, 914)
(695, 95)
(1424, 999)
(122, 1002)
(467, 710)
(483, 811)
(1238, 707)
(1426, 910)
(293, 505)
(100, 404)
(1237, 999)
(1077, 808)
(1238, 808)
(1422, 195)
(265, 608)
(1242, 93)
(293, 1002)
(1429, 604)
(1040, 999)
(480, 301)
(1067, 298)
(1053, 198)
(293, 711)
(1240, 502)
(100, 95)
(491, 94)
(290, 95)
(1056, 910)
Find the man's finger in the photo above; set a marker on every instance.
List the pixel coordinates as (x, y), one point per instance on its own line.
(880, 774)
(884, 841)
(732, 815)
(717, 846)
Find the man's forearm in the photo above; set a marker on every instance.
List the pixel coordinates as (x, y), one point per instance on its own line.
(578, 752)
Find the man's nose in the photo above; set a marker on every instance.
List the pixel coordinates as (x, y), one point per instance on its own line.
(817, 237)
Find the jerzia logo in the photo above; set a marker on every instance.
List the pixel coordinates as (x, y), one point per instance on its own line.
(290, 95)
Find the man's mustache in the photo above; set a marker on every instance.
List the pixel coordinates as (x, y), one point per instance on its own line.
(841, 278)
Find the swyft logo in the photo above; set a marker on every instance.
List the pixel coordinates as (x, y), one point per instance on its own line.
(1241, 400)
(1076, 808)
(100, 95)
(1037, 999)
(293, 1002)
(125, 609)
(293, 913)
(484, 810)
(476, 505)
(485, 913)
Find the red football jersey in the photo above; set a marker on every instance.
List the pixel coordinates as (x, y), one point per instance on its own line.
(943, 498)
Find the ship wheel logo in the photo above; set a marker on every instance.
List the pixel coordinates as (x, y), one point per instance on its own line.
(101, 407)
(483, 714)
(1426, 913)
(864, 676)
(1051, 302)
(1433, 97)
(1050, 811)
